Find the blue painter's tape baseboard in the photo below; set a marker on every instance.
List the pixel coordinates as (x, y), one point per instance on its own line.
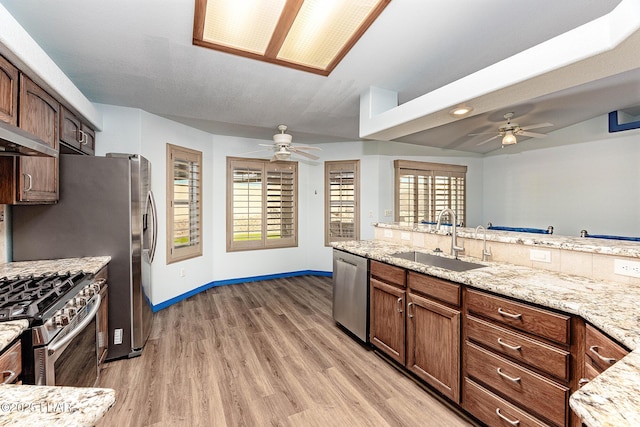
(213, 284)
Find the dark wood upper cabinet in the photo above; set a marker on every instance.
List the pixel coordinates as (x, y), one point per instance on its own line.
(8, 92)
(37, 177)
(75, 134)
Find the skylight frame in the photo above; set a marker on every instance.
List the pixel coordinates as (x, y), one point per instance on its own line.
(285, 22)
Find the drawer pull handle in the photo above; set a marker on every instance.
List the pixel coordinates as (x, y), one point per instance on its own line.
(512, 422)
(504, 313)
(594, 349)
(583, 381)
(510, 347)
(399, 305)
(512, 379)
(10, 377)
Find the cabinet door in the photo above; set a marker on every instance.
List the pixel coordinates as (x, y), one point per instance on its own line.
(8, 92)
(386, 324)
(39, 112)
(433, 344)
(88, 140)
(70, 128)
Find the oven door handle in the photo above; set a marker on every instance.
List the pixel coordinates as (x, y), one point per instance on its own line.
(76, 331)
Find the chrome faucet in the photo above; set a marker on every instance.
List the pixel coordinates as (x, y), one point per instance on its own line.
(485, 253)
(454, 247)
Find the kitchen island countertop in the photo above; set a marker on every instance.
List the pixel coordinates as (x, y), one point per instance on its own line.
(613, 397)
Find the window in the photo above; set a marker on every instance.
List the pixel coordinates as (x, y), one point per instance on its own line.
(262, 204)
(423, 190)
(341, 201)
(184, 203)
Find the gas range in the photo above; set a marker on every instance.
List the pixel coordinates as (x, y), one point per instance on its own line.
(59, 307)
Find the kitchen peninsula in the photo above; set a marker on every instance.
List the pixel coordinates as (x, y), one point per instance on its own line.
(606, 301)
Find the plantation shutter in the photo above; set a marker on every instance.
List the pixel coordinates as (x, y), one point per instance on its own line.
(281, 203)
(424, 189)
(261, 204)
(184, 193)
(342, 216)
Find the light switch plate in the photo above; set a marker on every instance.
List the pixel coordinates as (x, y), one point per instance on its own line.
(388, 233)
(540, 255)
(405, 236)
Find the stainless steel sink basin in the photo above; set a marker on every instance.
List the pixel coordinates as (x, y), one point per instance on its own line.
(438, 261)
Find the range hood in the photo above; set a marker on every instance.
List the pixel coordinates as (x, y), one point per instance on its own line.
(16, 142)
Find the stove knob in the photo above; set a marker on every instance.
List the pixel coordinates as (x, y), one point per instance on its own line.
(79, 301)
(69, 311)
(59, 320)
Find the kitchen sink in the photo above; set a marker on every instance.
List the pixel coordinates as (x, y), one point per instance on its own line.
(438, 261)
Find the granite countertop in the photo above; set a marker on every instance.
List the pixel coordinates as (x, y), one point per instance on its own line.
(579, 244)
(61, 266)
(32, 405)
(11, 330)
(44, 405)
(612, 398)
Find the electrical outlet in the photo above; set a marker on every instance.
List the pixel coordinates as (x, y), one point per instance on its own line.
(624, 267)
(370, 214)
(539, 255)
(388, 213)
(117, 336)
(388, 233)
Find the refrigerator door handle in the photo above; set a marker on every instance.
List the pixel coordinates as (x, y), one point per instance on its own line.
(154, 228)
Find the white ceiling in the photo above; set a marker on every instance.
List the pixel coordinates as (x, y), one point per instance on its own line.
(138, 53)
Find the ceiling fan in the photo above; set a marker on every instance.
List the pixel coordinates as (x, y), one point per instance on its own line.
(509, 131)
(283, 148)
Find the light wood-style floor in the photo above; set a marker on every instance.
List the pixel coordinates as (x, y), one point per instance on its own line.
(263, 354)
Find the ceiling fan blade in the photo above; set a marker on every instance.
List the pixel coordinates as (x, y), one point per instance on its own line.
(305, 147)
(532, 134)
(302, 153)
(539, 125)
(266, 145)
(487, 140)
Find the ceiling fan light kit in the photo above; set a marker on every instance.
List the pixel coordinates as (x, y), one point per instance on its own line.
(509, 131)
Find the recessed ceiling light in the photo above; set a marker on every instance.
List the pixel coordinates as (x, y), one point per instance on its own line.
(309, 35)
(460, 111)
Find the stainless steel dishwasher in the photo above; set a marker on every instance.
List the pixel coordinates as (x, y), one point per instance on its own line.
(351, 293)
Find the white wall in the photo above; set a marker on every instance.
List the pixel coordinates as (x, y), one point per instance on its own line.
(592, 185)
(135, 131)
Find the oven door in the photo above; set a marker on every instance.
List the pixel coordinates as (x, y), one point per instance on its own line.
(72, 359)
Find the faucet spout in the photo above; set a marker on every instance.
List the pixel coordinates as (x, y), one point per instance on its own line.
(485, 253)
(454, 233)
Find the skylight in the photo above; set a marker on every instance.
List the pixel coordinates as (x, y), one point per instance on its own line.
(309, 35)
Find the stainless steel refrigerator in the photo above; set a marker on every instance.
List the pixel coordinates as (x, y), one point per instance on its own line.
(106, 207)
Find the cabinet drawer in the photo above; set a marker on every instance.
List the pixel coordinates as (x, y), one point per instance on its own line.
(11, 360)
(435, 288)
(388, 273)
(601, 351)
(543, 323)
(494, 411)
(535, 392)
(517, 346)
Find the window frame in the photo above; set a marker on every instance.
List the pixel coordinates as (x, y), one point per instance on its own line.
(347, 166)
(435, 170)
(193, 157)
(266, 168)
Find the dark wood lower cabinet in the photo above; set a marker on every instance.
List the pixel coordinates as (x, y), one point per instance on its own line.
(433, 344)
(387, 326)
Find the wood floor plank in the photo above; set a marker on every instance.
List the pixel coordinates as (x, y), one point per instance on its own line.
(264, 353)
